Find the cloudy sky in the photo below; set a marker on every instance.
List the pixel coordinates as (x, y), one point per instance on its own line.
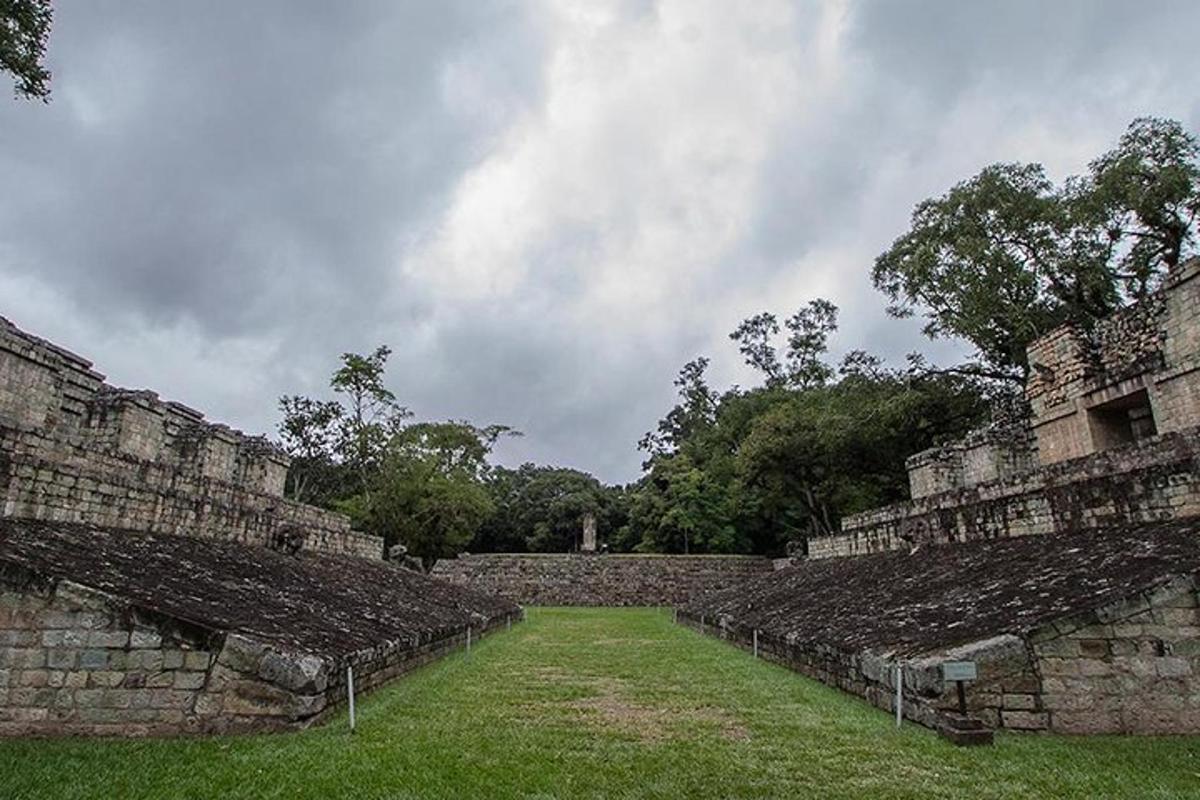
(544, 208)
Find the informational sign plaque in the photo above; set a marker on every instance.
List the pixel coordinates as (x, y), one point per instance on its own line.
(958, 671)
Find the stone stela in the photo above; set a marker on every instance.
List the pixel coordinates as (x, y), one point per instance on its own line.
(589, 534)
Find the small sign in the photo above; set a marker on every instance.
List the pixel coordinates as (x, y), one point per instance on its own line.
(958, 671)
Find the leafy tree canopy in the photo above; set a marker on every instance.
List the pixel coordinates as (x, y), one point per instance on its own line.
(24, 29)
(1007, 255)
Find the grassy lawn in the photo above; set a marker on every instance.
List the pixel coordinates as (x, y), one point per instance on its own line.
(604, 703)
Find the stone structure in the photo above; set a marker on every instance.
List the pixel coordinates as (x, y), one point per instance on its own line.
(1097, 632)
(122, 633)
(75, 449)
(1136, 375)
(589, 534)
(1156, 480)
(1005, 448)
(564, 579)
(1110, 434)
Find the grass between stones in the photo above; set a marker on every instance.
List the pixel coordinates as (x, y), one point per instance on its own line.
(586, 703)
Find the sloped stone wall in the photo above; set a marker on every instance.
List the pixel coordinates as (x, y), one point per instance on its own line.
(1094, 633)
(73, 449)
(164, 635)
(565, 579)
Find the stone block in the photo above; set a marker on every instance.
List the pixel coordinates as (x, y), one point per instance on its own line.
(196, 660)
(208, 704)
(109, 639)
(35, 678)
(241, 653)
(1025, 720)
(1060, 647)
(1020, 702)
(144, 640)
(303, 674)
(254, 698)
(105, 679)
(189, 680)
(23, 658)
(62, 659)
(93, 659)
(1173, 667)
(1087, 722)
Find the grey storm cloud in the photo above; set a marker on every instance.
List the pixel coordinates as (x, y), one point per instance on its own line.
(544, 208)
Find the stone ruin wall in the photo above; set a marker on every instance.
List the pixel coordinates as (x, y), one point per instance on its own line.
(1132, 666)
(1154, 481)
(74, 449)
(1150, 350)
(565, 579)
(77, 661)
(1058, 466)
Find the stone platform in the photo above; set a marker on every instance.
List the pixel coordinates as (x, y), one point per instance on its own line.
(106, 631)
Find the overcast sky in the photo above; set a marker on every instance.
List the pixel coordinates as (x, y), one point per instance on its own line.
(545, 209)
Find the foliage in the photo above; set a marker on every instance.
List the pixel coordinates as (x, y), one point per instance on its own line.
(24, 29)
(1007, 255)
(308, 434)
(429, 491)
(808, 335)
(420, 484)
(371, 415)
(541, 509)
(749, 470)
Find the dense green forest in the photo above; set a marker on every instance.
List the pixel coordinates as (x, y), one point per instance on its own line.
(996, 261)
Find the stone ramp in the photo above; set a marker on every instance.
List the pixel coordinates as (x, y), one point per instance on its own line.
(1095, 631)
(112, 631)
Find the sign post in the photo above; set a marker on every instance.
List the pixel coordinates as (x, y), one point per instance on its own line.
(959, 672)
(350, 693)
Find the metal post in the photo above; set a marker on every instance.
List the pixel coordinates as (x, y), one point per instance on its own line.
(468, 641)
(675, 616)
(350, 694)
(899, 695)
(756, 642)
(508, 622)
(701, 623)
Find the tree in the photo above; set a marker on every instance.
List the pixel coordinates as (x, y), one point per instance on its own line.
(694, 412)
(371, 415)
(839, 449)
(24, 30)
(807, 340)
(336, 445)
(750, 469)
(1004, 257)
(541, 509)
(428, 492)
(1146, 190)
(308, 434)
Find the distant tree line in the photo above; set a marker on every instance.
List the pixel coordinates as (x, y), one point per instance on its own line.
(997, 261)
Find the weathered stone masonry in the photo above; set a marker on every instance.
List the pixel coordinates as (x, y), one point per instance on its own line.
(565, 579)
(1095, 632)
(1110, 434)
(1155, 481)
(157, 634)
(75, 449)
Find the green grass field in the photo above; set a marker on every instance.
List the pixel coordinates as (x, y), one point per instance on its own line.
(604, 703)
